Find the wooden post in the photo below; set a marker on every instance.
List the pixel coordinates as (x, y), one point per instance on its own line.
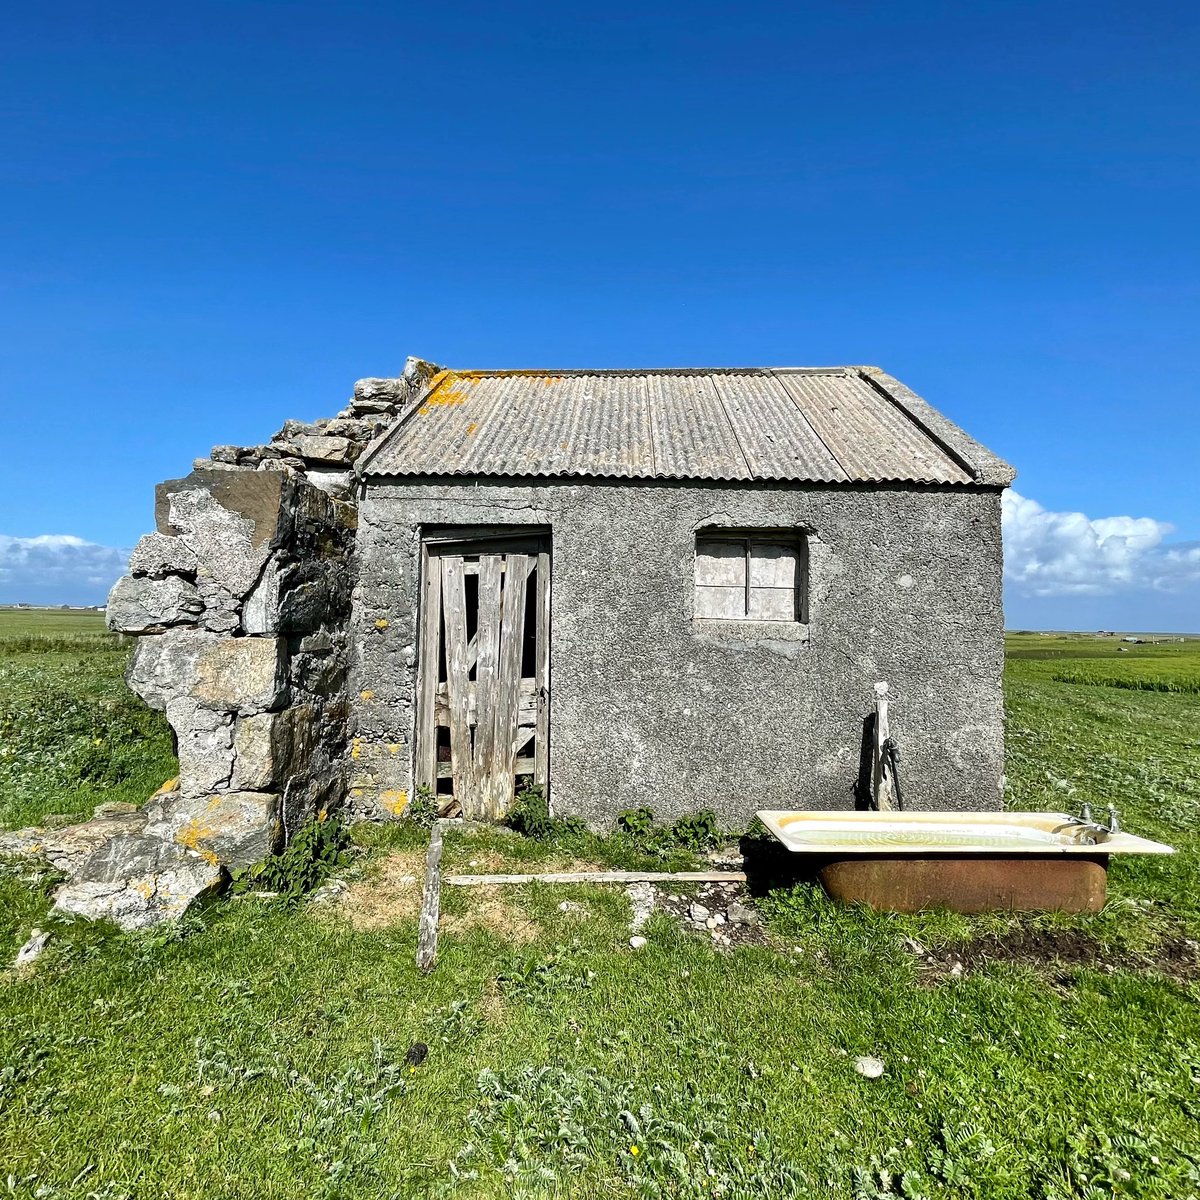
(881, 776)
(431, 902)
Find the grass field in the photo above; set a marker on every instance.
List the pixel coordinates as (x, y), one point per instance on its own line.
(71, 733)
(257, 1050)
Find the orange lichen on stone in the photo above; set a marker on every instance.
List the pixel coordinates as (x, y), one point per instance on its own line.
(192, 835)
(356, 747)
(170, 785)
(382, 623)
(394, 801)
(366, 694)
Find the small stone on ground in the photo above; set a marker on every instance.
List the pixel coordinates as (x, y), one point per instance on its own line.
(869, 1067)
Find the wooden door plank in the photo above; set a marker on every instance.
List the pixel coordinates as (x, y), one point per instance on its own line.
(454, 604)
(488, 664)
(512, 637)
(541, 745)
(427, 672)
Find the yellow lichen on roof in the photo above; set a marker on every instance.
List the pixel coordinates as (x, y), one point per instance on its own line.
(450, 389)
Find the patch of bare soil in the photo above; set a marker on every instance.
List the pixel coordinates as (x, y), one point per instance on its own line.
(1055, 952)
(491, 910)
(723, 912)
(389, 893)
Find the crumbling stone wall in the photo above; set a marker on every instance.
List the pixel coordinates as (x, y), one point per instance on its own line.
(240, 601)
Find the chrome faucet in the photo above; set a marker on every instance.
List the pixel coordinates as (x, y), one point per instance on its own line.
(1095, 830)
(1114, 820)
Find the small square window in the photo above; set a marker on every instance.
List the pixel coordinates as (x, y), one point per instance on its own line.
(756, 575)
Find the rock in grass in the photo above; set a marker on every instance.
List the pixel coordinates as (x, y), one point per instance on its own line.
(637, 942)
(741, 914)
(868, 1067)
(697, 912)
(31, 951)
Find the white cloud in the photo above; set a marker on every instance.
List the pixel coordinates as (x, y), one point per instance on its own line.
(1070, 554)
(57, 568)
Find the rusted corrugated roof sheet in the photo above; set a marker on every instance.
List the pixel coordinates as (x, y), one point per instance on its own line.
(832, 425)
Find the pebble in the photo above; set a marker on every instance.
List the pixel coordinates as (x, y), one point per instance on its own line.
(573, 906)
(697, 912)
(712, 923)
(870, 1068)
(740, 914)
(637, 942)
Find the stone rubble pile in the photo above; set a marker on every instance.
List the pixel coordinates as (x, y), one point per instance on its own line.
(240, 602)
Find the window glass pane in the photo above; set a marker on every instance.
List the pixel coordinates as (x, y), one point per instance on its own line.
(772, 604)
(720, 562)
(773, 564)
(723, 603)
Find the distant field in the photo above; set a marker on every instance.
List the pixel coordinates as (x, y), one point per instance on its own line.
(1108, 662)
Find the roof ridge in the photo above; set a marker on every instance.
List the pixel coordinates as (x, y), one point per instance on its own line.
(530, 372)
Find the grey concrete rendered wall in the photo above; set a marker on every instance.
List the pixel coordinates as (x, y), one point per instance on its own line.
(650, 706)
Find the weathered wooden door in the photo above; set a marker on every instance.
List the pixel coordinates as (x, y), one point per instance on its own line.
(484, 675)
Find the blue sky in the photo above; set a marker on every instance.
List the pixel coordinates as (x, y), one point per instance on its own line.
(216, 216)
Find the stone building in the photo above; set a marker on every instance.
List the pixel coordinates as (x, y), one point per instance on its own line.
(674, 588)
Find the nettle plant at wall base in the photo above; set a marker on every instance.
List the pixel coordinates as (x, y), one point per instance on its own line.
(422, 809)
(696, 831)
(317, 849)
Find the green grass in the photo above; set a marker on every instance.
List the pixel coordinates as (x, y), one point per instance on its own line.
(256, 1050)
(71, 734)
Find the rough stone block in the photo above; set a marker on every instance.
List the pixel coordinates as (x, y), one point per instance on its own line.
(138, 604)
(138, 880)
(228, 519)
(378, 395)
(230, 674)
(157, 555)
(254, 751)
(327, 449)
(204, 739)
(243, 675)
(272, 748)
(71, 845)
(236, 829)
(221, 609)
(163, 667)
(296, 598)
(339, 484)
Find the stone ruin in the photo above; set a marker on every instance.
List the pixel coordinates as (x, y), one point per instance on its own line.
(239, 602)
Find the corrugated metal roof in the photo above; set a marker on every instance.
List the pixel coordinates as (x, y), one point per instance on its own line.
(830, 425)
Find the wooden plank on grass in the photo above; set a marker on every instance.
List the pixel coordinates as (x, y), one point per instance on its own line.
(602, 877)
(431, 902)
